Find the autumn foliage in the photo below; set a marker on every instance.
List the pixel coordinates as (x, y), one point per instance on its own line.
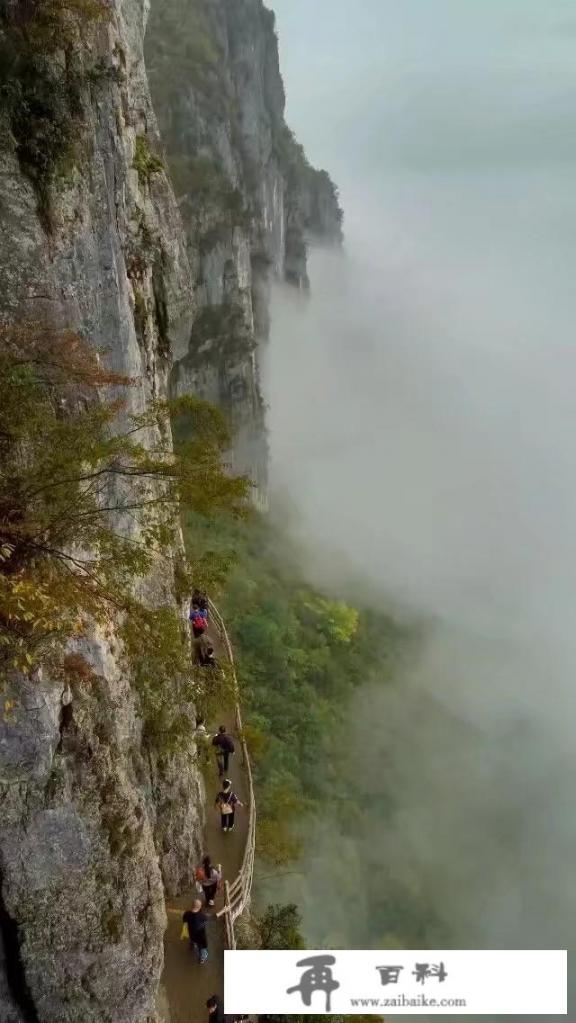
(90, 491)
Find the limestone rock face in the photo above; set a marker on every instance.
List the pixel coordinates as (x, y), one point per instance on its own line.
(91, 824)
(249, 198)
(170, 275)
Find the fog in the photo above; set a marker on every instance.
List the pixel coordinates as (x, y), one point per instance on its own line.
(423, 427)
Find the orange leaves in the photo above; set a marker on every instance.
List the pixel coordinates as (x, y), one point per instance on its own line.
(60, 358)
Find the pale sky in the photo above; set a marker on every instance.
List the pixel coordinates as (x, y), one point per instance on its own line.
(423, 411)
(375, 86)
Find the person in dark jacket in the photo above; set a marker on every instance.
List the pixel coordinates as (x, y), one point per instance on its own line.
(196, 921)
(200, 600)
(227, 801)
(209, 658)
(201, 646)
(215, 1010)
(216, 1015)
(224, 744)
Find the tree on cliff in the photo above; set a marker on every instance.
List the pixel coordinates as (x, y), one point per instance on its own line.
(89, 490)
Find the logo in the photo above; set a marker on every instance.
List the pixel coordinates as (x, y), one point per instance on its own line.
(318, 977)
(423, 982)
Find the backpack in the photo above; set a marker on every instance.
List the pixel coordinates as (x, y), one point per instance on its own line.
(198, 620)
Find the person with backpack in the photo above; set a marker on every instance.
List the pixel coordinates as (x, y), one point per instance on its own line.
(225, 748)
(209, 878)
(196, 921)
(199, 620)
(227, 801)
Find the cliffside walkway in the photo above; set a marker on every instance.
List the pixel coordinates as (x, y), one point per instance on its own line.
(186, 984)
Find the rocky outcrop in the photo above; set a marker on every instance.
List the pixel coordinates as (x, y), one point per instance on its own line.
(250, 200)
(94, 826)
(172, 283)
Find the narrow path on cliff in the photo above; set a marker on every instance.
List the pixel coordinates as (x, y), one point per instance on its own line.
(186, 984)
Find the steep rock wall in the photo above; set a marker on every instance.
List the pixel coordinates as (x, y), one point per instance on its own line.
(248, 196)
(94, 825)
(91, 822)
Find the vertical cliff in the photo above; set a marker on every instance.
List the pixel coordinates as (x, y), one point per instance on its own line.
(248, 197)
(170, 274)
(92, 821)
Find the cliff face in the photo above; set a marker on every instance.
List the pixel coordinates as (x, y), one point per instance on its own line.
(92, 822)
(173, 282)
(248, 196)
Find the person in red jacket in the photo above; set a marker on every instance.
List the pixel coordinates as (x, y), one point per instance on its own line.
(209, 877)
(199, 620)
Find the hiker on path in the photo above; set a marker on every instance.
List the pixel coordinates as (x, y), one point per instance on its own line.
(209, 658)
(227, 801)
(201, 735)
(203, 742)
(200, 600)
(199, 620)
(209, 878)
(201, 647)
(215, 1010)
(225, 747)
(196, 921)
(216, 1014)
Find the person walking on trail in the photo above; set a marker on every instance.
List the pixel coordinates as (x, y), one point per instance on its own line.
(227, 801)
(200, 600)
(203, 742)
(215, 1010)
(201, 733)
(209, 658)
(196, 921)
(201, 647)
(199, 620)
(209, 878)
(216, 1014)
(225, 747)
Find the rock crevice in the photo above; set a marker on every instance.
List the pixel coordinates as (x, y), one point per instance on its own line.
(18, 998)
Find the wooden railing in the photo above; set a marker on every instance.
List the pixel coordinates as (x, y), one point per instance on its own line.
(237, 892)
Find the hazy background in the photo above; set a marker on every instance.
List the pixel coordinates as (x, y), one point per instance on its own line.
(423, 415)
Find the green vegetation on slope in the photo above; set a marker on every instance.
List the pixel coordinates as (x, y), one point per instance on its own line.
(301, 658)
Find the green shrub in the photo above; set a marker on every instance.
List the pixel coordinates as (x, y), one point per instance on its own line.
(279, 927)
(301, 657)
(157, 656)
(44, 109)
(145, 162)
(221, 332)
